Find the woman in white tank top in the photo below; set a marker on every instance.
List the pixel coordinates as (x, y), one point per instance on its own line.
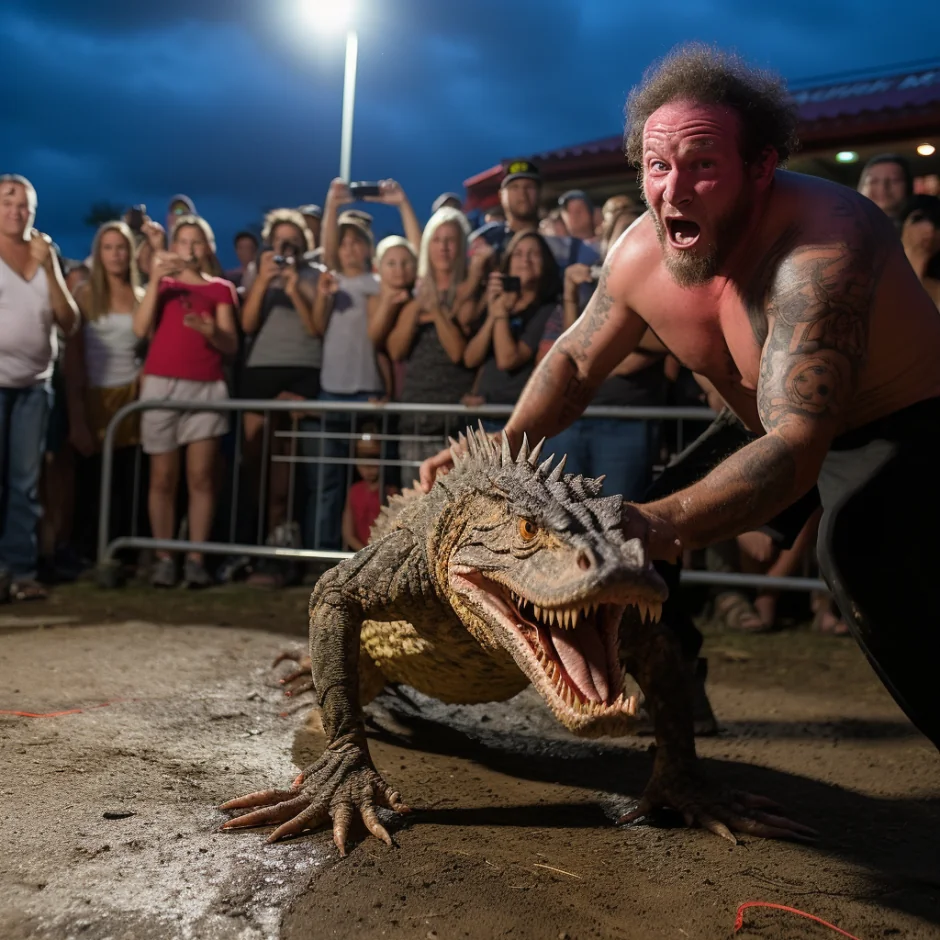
(101, 369)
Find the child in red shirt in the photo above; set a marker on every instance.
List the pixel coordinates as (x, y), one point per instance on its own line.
(189, 317)
(363, 501)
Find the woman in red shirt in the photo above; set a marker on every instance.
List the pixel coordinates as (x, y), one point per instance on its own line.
(190, 319)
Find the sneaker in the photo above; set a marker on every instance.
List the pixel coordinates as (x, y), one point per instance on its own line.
(163, 573)
(234, 568)
(195, 574)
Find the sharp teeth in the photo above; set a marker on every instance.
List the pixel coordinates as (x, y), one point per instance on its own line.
(552, 614)
(643, 609)
(537, 609)
(657, 611)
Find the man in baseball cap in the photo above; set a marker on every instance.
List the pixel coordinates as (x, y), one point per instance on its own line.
(577, 212)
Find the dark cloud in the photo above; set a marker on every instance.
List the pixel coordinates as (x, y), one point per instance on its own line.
(238, 103)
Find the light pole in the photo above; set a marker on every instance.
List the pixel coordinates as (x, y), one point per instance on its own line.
(332, 17)
(349, 104)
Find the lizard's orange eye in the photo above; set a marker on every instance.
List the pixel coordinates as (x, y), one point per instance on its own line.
(528, 530)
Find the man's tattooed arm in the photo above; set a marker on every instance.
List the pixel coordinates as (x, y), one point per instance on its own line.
(565, 381)
(817, 340)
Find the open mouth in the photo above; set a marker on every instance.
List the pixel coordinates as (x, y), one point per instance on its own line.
(574, 648)
(683, 233)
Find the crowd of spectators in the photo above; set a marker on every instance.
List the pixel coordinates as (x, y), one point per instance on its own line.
(444, 314)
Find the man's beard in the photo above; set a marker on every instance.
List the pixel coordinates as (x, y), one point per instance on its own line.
(530, 214)
(691, 268)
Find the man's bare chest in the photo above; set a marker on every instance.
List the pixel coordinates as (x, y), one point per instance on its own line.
(711, 335)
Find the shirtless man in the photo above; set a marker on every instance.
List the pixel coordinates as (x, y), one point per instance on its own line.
(792, 296)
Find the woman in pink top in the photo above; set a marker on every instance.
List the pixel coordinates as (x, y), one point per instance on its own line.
(190, 319)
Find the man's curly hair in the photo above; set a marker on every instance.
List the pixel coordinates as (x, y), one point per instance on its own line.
(707, 75)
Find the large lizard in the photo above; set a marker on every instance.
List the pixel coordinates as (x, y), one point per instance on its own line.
(508, 572)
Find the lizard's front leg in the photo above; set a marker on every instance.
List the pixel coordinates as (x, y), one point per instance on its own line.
(651, 653)
(343, 782)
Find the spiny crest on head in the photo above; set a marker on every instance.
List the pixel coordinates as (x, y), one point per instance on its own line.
(477, 446)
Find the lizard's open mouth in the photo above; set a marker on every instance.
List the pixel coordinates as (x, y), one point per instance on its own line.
(571, 650)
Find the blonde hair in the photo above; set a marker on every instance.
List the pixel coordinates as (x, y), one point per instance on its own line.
(16, 180)
(211, 264)
(446, 216)
(99, 291)
(278, 217)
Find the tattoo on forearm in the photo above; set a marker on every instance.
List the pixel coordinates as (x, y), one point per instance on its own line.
(595, 315)
(818, 318)
(755, 483)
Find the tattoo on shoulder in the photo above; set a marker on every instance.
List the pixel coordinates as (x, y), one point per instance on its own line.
(818, 307)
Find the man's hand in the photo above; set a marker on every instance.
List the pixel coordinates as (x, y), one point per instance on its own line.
(391, 194)
(480, 255)
(40, 248)
(575, 276)
(656, 533)
(339, 193)
(154, 233)
(442, 463)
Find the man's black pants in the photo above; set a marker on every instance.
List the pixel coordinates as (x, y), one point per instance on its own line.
(878, 544)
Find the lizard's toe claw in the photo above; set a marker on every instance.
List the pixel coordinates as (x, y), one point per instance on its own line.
(294, 656)
(341, 784)
(299, 689)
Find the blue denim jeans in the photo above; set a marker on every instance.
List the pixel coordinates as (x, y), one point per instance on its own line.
(617, 449)
(327, 482)
(24, 414)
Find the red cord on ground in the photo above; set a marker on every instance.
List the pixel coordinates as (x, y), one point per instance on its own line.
(739, 920)
(70, 711)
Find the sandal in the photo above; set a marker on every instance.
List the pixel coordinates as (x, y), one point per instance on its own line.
(28, 590)
(736, 613)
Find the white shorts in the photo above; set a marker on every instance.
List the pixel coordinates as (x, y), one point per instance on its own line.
(165, 431)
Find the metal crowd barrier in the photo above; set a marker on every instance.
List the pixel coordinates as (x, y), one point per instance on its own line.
(457, 418)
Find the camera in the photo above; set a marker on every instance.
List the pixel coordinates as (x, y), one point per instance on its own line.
(512, 285)
(135, 217)
(361, 190)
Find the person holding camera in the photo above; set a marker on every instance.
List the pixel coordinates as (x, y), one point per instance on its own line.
(189, 317)
(430, 334)
(520, 298)
(349, 311)
(285, 353)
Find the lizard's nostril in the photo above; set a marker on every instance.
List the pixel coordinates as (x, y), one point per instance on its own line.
(583, 561)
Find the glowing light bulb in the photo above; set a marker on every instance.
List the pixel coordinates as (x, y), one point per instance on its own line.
(846, 156)
(926, 150)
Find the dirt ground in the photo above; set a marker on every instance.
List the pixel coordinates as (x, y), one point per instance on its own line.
(109, 822)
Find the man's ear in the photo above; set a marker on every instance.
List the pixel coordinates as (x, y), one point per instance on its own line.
(763, 168)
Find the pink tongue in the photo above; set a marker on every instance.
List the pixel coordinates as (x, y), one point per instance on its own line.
(582, 654)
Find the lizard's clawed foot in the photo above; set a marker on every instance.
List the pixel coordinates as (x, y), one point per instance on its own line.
(340, 785)
(721, 811)
(301, 673)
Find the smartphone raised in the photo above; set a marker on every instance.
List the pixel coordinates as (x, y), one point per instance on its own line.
(361, 190)
(511, 285)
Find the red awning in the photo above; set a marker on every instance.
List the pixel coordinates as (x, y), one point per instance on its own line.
(906, 100)
(850, 99)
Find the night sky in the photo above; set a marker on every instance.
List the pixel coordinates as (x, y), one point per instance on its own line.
(238, 103)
